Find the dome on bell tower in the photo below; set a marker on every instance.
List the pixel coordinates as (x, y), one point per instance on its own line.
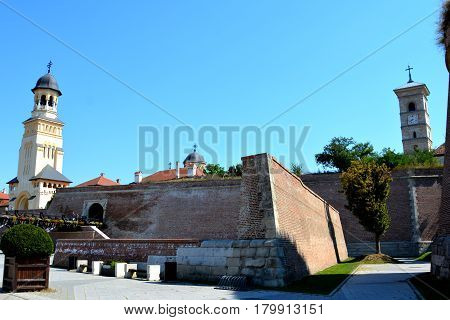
(47, 81)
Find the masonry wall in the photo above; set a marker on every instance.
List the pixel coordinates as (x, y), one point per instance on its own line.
(276, 204)
(311, 225)
(262, 261)
(117, 249)
(413, 205)
(206, 209)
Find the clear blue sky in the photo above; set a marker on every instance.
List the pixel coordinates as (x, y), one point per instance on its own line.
(214, 63)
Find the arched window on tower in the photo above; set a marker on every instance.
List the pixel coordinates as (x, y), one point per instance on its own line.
(411, 106)
(43, 100)
(414, 135)
(50, 101)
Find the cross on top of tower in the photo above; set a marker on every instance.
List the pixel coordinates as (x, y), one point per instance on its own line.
(195, 147)
(49, 66)
(409, 72)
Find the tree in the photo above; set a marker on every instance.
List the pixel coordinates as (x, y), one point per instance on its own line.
(341, 151)
(214, 169)
(419, 158)
(235, 171)
(367, 185)
(390, 158)
(296, 169)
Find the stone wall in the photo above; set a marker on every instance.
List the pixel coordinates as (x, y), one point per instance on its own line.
(261, 260)
(413, 205)
(440, 258)
(205, 209)
(119, 250)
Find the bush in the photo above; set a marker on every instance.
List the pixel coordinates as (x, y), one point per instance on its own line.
(26, 241)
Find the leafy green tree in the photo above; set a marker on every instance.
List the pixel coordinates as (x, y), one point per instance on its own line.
(213, 169)
(341, 151)
(367, 185)
(419, 158)
(390, 158)
(296, 169)
(235, 171)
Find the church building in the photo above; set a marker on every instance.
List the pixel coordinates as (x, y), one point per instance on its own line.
(41, 154)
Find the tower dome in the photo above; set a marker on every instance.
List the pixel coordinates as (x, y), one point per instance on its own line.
(194, 157)
(47, 81)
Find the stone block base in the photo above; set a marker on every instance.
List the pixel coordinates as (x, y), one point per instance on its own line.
(262, 261)
(440, 258)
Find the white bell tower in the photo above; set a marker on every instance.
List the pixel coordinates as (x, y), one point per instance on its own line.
(41, 154)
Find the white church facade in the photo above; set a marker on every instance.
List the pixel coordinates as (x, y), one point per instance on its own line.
(41, 153)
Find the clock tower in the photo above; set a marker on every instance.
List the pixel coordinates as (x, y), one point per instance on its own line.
(414, 117)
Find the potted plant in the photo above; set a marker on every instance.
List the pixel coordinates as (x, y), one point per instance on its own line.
(27, 251)
(109, 268)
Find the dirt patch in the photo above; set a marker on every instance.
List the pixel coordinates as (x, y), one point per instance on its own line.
(378, 258)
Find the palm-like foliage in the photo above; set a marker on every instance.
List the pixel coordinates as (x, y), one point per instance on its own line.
(444, 23)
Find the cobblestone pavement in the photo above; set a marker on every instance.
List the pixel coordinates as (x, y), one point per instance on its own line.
(369, 282)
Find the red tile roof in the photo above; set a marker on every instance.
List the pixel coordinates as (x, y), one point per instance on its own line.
(4, 199)
(99, 181)
(171, 174)
(440, 151)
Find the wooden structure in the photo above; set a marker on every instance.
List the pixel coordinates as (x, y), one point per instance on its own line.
(26, 274)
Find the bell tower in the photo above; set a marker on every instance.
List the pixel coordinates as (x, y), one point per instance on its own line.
(41, 153)
(414, 117)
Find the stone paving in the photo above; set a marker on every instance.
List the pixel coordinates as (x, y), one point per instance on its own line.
(369, 282)
(382, 282)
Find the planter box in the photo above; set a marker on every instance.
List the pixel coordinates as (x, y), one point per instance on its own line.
(26, 274)
(107, 271)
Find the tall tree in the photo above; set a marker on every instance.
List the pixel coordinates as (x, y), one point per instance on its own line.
(367, 185)
(341, 151)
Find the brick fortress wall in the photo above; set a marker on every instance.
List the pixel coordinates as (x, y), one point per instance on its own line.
(413, 205)
(206, 209)
(276, 204)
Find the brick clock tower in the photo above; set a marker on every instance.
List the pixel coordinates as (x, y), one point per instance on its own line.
(414, 117)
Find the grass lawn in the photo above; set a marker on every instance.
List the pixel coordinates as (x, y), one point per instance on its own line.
(430, 288)
(426, 256)
(325, 281)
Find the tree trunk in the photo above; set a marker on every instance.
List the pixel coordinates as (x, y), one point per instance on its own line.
(377, 243)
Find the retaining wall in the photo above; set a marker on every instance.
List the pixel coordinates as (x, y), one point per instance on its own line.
(117, 249)
(261, 260)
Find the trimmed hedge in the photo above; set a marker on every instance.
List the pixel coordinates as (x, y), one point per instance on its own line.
(26, 241)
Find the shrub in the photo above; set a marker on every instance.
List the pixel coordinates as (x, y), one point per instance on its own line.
(26, 241)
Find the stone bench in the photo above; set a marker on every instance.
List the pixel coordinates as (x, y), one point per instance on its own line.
(82, 265)
(131, 270)
(153, 272)
(96, 267)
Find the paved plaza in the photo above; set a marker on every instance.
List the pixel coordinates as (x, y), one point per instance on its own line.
(386, 281)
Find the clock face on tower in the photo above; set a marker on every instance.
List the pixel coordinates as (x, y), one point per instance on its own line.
(413, 119)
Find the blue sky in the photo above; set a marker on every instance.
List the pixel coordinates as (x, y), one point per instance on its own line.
(214, 63)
